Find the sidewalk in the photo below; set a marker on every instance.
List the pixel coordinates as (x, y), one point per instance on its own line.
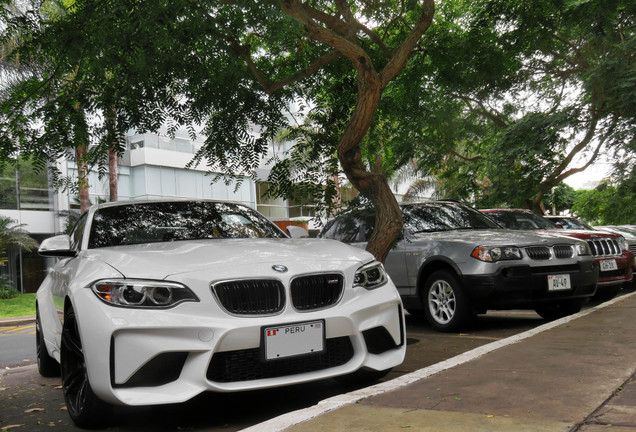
(575, 374)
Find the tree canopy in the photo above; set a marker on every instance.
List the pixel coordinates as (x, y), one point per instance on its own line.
(494, 101)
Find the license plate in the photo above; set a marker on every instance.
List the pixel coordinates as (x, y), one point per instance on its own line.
(294, 339)
(559, 282)
(609, 265)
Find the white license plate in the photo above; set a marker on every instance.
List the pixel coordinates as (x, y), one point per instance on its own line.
(609, 265)
(294, 339)
(559, 282)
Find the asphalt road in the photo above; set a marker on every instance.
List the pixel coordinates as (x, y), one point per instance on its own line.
(36, 403)
(17, 346)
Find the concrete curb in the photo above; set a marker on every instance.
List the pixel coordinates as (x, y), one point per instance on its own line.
(8, 322)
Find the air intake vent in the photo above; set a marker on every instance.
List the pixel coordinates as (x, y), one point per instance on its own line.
(538, 252)
(563, 251)
(316, 291)
(251, 296)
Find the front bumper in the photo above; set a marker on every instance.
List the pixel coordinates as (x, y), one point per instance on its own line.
(526, 286)
(623, 273)
(144, 357)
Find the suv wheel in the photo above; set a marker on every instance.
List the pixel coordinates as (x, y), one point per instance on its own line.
(446, 305)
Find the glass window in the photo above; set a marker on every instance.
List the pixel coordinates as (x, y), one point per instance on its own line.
(171, 221)
(354, 227)
(444, 216)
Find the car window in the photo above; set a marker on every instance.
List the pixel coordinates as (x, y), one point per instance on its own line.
(444, 216)
(520, 220)
(354, 227)
(170, 221)
(570, 223)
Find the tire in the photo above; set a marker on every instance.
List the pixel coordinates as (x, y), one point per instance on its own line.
(48, 367)
(363, 377)
(446, 304)
(553, 311)
(85, 408)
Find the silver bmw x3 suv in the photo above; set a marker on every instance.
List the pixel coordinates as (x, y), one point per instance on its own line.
(452, 263)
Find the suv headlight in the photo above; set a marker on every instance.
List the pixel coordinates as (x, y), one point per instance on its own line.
(138, 293)
(622, 243)
(582, 248)
(370, 276)
(494, 254)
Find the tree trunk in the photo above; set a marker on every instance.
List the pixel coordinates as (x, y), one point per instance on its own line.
(371, 184)
(113, 177)
(82, 177)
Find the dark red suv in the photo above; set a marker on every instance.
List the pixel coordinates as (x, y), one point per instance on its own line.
(610, 250)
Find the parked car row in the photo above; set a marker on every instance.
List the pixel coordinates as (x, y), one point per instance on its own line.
(156, 302)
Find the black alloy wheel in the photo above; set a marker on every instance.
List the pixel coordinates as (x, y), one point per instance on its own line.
(84, 407)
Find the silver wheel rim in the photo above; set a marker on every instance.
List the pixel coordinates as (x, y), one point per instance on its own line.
(442, 303)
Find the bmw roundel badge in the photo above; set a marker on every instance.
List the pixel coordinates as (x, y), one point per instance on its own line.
(279, 268)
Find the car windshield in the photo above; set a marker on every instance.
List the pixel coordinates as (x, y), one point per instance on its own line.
(444, 216)
(520, 220)
(169, 221)
(571, 223)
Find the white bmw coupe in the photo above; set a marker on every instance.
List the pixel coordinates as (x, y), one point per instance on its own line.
(156, 302)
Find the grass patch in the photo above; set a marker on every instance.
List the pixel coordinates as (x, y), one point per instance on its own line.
(22, 305)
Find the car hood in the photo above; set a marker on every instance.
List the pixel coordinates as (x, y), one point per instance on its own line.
(494, 237)
(583, 234)
(161, 260)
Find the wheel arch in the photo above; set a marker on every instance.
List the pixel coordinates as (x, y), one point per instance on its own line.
(434, 264)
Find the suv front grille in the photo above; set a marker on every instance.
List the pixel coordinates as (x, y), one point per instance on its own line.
(604, 247)
(316, 291)
(543, 253)
(563, 251)
(251, 296)
(538, 252)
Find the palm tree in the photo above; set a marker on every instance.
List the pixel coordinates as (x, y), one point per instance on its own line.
(13, 235)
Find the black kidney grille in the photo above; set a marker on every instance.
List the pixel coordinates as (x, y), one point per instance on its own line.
(247, 365)
(604, 247)
(563, 251)
(316, 291)
(251, 296)
(538, 252)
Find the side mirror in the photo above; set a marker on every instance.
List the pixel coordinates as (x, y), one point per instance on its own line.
(297, 232)
(58, 246)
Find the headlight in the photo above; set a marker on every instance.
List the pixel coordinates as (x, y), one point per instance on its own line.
(139, 293)
(582, 248)
(370, 276)
(494, 254)
(622, 243)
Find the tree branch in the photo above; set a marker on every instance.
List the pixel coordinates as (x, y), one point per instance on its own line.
(402, 53)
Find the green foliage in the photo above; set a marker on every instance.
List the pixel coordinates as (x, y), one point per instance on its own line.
(523, 95)
(608, 204)
(6, 290)
(13, 236)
